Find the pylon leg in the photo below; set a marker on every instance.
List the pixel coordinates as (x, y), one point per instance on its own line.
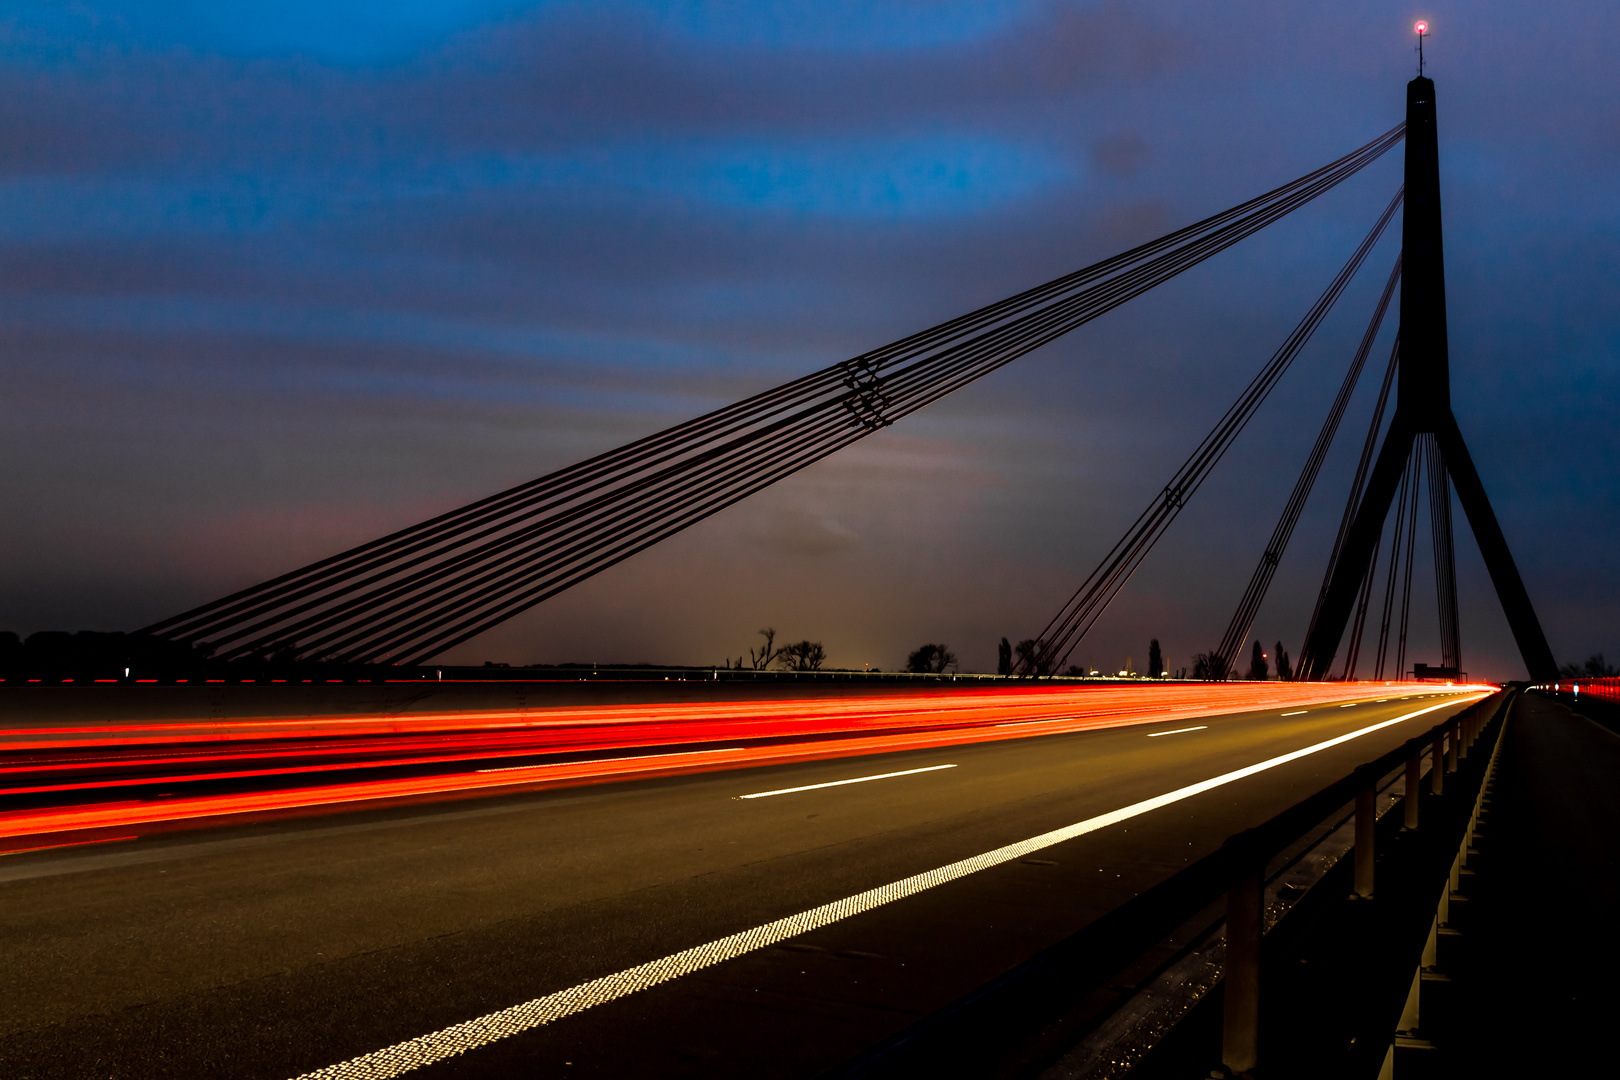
(1317, 655)
(1510, 590)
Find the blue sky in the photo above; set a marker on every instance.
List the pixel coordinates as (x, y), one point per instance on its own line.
(279, 277)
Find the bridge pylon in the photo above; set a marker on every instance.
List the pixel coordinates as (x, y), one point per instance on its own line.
(1423, 406)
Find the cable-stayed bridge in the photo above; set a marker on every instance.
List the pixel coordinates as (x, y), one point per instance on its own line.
(411, 595)
(1017, 878)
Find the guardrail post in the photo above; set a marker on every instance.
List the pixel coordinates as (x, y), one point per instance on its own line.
(1240, 1023)
(1451, 752)
(1414, 777)
(1408, 1025)
(1437, 766)
(1366, 823)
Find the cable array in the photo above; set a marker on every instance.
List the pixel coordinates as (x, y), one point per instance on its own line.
(1425, 463)
(1085, 607)
(1357, 486)
(415, 593)
(1237, 631)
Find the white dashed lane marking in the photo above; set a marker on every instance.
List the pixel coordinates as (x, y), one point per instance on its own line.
(841, 783)
(1178, 731)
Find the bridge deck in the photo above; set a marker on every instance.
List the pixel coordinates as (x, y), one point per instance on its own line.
(270, 950)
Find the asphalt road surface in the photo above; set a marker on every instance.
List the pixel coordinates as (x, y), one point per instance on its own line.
(617, 917)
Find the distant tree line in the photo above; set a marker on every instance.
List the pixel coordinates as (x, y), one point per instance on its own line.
(91, 654)
(1594, 668)
(1212, 667)
(800, 656)
(1023, 658)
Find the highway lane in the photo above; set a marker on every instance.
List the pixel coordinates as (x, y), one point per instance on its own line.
(93, 776)
(274, 949)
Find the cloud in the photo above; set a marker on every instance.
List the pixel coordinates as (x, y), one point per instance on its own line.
(802, 531)
(1124, 154)
(294, 255)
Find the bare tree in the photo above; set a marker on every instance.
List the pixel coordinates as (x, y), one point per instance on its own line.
(1209, 666)
(762, 659)
(1594, 668)
(931, 659)
(1029, 660)
(802, 656)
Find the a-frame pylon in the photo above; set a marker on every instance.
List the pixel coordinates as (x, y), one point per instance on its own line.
(1423, 406)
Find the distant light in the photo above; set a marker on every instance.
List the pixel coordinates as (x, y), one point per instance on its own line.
(1422, 27)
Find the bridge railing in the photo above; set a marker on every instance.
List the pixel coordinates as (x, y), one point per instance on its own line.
(1606, 688)
(1011, 1018)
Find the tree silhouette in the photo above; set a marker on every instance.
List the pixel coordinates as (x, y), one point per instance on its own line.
(766, 654)
(802, 656)
(1209, 666)
(930, 659)
(1285, 670)
(1594, 668)
(1258, 668)
(1027, 650)
(1004, 658)
(1155, 660)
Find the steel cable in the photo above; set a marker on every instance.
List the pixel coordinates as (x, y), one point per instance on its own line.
(1064, 632)
(1237, 631)
(388, 597)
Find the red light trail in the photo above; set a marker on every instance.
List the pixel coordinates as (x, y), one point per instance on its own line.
(278, 765)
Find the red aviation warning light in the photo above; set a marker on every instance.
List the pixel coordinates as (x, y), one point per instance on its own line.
(1421, 27)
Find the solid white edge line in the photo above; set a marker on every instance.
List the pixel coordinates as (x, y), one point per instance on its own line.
(1178, 731)
(841, 783)
(404, 1057)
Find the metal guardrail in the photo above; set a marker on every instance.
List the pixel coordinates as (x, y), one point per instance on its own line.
(1607, 689)
(971, 1035)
